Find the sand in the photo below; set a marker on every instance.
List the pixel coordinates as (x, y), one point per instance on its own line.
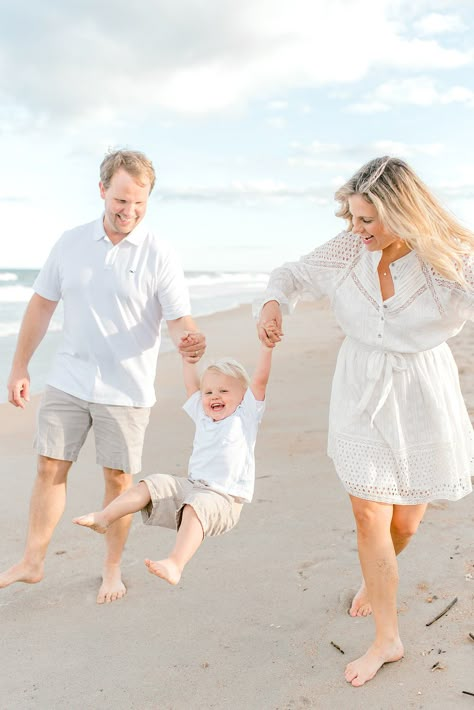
(251, 624)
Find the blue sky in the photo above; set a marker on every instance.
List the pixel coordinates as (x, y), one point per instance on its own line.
(253, 112)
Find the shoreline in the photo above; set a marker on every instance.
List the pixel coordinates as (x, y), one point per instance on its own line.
(266, 602)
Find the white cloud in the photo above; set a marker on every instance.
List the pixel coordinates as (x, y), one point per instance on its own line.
(276, 121)
(80, 60)
(418, 91)
(454, 191)
(277, 105)
(406, 150)
(436, 23)
(250, 192)
(348, 158)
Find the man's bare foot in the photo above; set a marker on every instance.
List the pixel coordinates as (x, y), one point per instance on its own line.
(360, 604)
(21, 572)
(166, 569)
(364, 668)
(112, 587)
(94, 521)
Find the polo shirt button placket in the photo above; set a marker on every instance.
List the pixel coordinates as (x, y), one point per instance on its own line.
(111, 256)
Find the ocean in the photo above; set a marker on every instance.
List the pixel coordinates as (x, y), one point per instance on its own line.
(210, 291)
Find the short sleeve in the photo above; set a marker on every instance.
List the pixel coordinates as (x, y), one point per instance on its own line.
(193, 406)
(252, 407)
(316, 273)
(172, 289)
(48, 282)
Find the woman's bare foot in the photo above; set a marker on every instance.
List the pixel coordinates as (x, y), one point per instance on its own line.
(94, 521)
(364, 668)
(22, 572)
(166, 569)
(112, 587)
(360, 604)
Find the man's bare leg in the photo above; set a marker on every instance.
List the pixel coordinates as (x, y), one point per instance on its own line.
(47, 503)
(405, 522)
(379, 567)
(112, 587)
(188, 539)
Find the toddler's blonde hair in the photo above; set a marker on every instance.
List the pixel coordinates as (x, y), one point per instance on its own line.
(230, 367)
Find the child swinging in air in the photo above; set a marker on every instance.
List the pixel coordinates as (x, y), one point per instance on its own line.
(226, 407)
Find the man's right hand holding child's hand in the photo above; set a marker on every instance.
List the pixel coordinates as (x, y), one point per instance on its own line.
(192, 346)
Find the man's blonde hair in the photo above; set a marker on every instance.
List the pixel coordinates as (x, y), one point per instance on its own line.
(231, 368)
(408, 209)
(133, 161)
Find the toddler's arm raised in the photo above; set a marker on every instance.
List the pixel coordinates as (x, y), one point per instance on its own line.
(190, 373)
(261, 374)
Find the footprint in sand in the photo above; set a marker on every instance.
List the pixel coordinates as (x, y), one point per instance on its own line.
(303, 567)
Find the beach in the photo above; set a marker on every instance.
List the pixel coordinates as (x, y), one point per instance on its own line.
(259, 619)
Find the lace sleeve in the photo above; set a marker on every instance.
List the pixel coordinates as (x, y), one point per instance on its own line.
(465, 293)
(316, 273)
(469, 276)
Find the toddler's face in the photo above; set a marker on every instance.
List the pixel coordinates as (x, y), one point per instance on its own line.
(221, 394)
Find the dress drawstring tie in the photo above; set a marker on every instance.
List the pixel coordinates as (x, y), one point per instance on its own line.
(380, 364)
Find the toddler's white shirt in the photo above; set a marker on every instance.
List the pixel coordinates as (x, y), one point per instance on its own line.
(223, 451)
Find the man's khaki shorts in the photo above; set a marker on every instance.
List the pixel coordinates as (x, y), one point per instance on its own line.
(217, 512)
(64, 422)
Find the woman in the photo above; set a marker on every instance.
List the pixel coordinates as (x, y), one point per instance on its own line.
(401, 282)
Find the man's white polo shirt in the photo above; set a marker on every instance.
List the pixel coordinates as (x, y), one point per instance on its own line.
(115, 298)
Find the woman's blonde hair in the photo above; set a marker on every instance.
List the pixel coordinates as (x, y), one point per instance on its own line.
(230, 367)
(133, 162)
(408, 209)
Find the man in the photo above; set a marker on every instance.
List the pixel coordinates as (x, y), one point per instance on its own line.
(117, 281)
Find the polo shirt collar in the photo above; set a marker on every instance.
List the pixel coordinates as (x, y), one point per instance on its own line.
(135, 237)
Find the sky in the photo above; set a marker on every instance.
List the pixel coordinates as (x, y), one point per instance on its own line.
(252, 111)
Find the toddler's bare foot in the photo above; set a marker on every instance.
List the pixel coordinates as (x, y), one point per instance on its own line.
(166, 569)
(94, 521)
(364, 668)
(360, 604)
(112, 587)
(22, 572)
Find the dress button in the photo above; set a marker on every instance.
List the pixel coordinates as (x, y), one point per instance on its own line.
(379, 335)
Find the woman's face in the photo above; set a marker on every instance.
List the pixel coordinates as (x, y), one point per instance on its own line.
(368, 226)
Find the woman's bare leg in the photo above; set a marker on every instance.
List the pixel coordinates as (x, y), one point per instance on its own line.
(188, 539)
(379, 568)
(405, 522)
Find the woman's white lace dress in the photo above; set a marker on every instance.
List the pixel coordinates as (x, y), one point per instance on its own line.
(399, 431)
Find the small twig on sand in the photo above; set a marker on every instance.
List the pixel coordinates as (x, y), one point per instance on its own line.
(466, 692)
(451, 604)
(336, 646)
(435, 666)
(472, 636)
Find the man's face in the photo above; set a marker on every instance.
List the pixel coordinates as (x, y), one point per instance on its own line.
(125, 202)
